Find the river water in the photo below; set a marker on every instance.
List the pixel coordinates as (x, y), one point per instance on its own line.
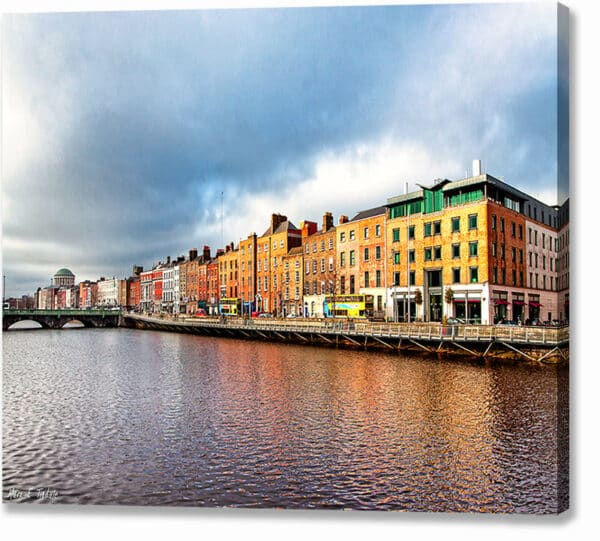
(120, 416)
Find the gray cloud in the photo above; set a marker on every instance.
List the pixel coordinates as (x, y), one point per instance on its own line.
(134, 123)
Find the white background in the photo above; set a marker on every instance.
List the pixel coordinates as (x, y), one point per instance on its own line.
(98, 522)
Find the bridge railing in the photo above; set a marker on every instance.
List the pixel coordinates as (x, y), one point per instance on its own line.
(417, 331)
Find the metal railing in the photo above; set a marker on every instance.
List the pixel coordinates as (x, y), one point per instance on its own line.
(417, 331)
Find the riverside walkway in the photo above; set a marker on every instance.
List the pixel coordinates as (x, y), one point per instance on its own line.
(549, 344)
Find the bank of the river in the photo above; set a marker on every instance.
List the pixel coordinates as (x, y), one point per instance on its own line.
(536, 344)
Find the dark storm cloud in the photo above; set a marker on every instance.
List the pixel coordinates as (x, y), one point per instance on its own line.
(143, 119)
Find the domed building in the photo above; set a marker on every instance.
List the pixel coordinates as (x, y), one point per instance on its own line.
(64, 278)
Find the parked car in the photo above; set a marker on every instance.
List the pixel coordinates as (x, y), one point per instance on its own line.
(200, 313)
(455, 321)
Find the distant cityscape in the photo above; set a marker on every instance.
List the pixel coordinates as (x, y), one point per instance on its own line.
(475, 249)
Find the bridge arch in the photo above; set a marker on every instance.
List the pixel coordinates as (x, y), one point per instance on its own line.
(26, 324)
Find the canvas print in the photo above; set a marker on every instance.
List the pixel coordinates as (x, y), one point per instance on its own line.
(298, 258)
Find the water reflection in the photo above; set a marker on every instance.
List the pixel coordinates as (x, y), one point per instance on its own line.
(123, 416)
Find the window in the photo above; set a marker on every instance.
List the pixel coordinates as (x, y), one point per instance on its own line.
(314, 247)
(396, 258)
(456, 275)
(314, 266)
(352, 258)
(377, 252)
(520, 232)
(396, 278)
(437, 252)
(366, 278)
(411, 232)
(514, 277)
(351, 237)
(474, 274)
(352, 285)
(513, 255)
(437, 228)
(473, 249)
(536, 237)
(456, 224)
(307, 267)
(543, 240)
(502, 251)
(502, 225)
(456, 250)
(396, 235)
(343, 259)
(427, 229)
(378, 230)
(427, 254)
(504, 276)
(378, 278)
(366, 254)
(343, 285)
(322, 264)
(472, 221)
(411, 278)
(330, 243)
(493, 221)
(330, 264)
(513, 229)
(343, 237)
(411, 256)
(495, 275)
(307, 248)
(366, 233)
(322, 246)
(494, 249)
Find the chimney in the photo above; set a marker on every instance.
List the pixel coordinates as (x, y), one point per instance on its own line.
(276, 220)
(227, 248)
(193, 254)
(206, 253)
(180, 258)
(343, 219)
(327, 221)
(220, 251)
(168, 260)
(476, 168)
(308, 228)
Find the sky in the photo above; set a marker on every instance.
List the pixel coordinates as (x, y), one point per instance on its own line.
(128, 137)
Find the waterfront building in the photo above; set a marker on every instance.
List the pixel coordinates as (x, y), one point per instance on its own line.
(88, 294)
(212, 284)
(168, 287)
(318, 266)
(157, 287)
(291, 280)
(457, 249)
(228, 273)
(247, 270)
(63, 278)
(370, 231)
(111, 292)
(272, 246)
(146, 291)
(562, 261)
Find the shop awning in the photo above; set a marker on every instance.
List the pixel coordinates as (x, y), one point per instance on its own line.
(462, 301)
(534, 304)
(518, 303)
(500, 301)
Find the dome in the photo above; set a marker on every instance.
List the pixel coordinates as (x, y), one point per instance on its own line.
(63, 272)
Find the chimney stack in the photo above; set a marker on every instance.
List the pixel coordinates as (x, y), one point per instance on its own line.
(193, 254)
(327, 221)
(276, 220)
(343, 219)
(168, 260)
(476, 168)
(308, 228)
(206, 253)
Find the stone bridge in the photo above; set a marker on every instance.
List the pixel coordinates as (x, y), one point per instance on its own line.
(56, 319)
